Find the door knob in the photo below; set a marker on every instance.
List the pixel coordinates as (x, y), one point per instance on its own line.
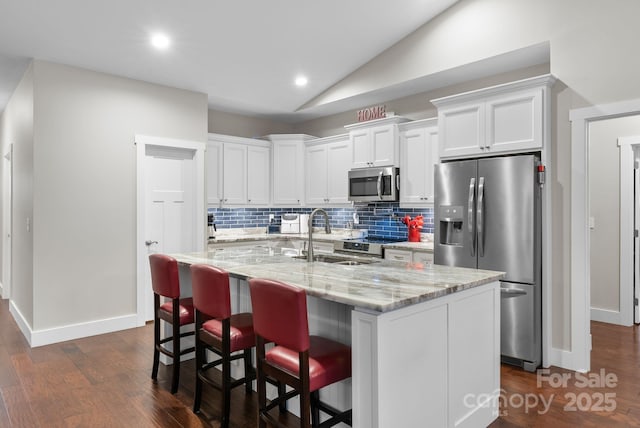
(149, 243)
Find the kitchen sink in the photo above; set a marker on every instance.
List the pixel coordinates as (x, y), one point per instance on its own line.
(339, 260)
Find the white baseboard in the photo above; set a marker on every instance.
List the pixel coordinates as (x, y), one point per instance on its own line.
(564, 359)
(23, 325)
(607, 315)
(70, 332)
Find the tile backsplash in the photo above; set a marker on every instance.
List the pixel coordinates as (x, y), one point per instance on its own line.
(382, 219)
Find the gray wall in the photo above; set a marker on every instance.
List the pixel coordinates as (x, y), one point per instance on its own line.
(17, 128)
(220, 122)
(84, 188)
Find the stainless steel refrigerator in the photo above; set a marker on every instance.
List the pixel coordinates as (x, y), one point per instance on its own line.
(488, 216)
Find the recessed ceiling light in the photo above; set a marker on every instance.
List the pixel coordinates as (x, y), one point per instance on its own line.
(160, 41)
(301, 81)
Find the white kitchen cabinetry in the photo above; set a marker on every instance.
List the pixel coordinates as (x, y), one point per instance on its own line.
(214, 168)
(409, 256)
(235, 174)
(327, 163)
(238, 171)
(418, 154)
(509, 118)
(288, 168)
(375, 143)
(258, 175)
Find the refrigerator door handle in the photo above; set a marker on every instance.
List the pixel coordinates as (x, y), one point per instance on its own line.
(480, 217)
(470, 220)
(511, 292)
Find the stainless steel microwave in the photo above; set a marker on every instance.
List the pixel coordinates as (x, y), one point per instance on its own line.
(374, 184)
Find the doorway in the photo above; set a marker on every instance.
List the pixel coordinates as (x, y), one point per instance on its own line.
(171, 211)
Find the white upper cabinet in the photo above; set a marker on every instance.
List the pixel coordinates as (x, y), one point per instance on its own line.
(418, 154)
(238, 171)
(509, 118)
(375, 143)
(213, 162)
(258, 175)
(339, 163)
(327, 162)
(316, 177)
(288, 168)
(235, 174)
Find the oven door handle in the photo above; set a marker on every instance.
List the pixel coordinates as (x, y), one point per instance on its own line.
(380, 185)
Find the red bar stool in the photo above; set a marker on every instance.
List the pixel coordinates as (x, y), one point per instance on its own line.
(305, 363)
(177, 312)
(221, 332)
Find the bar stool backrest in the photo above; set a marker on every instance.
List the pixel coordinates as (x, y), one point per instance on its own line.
(280, 313)
(165, 280)
(210, 286)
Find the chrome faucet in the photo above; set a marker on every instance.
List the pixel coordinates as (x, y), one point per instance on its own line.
(327, 229)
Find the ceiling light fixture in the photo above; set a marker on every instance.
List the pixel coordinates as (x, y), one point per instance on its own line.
(160, 41)
(301, 81)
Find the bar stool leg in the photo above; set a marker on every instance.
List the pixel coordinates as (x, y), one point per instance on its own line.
(248, 371)
(315, 408)
(262, 382)
(226, 391)
(282, 390)
(176, 358)
(156, 338)
(200, 354)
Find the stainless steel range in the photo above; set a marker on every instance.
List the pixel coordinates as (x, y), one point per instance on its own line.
(370, 245)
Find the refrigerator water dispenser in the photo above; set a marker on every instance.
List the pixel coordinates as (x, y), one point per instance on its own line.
(450, 225)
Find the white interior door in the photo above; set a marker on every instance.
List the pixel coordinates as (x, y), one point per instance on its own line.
(7, 206)
(171, 206)
(170, 209)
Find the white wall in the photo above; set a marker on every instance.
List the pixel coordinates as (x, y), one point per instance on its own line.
(84, 219)
(593, 46)
(17, 128)
(604, 187)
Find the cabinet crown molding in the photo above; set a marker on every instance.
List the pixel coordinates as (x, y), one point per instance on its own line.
(376, 122)
(533, 82)
(325, 140)
(288, 137)
(432, 121)
(221, 138)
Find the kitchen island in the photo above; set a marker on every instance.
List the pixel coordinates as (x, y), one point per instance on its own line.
(425, 339)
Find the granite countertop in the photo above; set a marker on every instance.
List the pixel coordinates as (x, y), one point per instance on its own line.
(381, 286)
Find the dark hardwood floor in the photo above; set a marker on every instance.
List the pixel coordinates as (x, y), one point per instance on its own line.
(104, 381)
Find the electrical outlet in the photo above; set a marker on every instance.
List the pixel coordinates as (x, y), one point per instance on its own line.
(271, 218)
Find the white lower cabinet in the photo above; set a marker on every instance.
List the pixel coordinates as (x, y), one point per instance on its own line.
(409, 256)
(435, 363)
